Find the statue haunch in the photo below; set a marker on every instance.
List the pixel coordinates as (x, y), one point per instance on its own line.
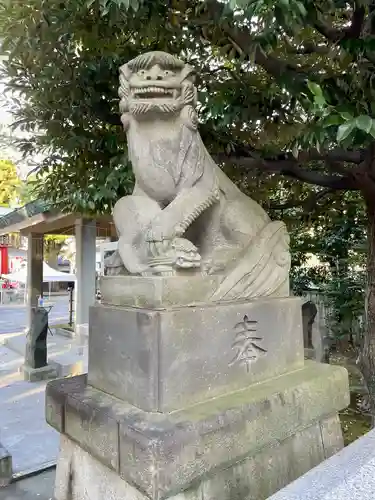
(185, 216)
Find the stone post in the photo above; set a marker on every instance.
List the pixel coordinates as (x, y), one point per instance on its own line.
(85, 232)
(34, 286)
(36, 366)
(6, 469)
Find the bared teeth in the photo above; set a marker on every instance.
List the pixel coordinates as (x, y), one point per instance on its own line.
(155, 90)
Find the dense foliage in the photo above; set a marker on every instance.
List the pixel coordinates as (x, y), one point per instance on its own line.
(333, 244)
(9, 182)
(267, 77)
(14, 191)
(286, 87)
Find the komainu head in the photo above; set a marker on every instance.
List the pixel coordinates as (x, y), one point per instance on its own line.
(156, 82)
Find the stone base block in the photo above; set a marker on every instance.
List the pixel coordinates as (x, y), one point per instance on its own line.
(245, 445)
(81, 330)
(348, 475)
(68, 367)
(157, 291)
(5, 467)
(254, 478)
(169, 359)
(36, 374)
(310, 353)
(63, 332)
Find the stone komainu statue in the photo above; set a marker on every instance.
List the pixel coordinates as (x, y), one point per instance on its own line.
(185, 216)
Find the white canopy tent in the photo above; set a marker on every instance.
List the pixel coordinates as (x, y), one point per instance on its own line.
(50, 275)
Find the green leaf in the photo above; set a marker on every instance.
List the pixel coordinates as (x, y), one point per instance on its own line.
(364, 122)
(320, 101)
(346, 115)
(345, 130)
(372, 130)
(301, 9)
(332, 120)
(315, 89)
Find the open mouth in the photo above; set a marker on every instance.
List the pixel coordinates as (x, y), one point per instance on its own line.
(154, 92)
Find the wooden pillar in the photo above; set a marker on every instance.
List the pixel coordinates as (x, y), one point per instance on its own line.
(85, 287)
(34, 285)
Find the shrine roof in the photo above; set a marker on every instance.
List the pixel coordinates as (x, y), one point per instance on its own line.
(42, 218)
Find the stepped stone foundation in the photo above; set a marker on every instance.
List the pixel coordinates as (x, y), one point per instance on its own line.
(194, 402)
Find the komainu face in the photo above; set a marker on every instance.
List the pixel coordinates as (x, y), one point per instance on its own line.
(156, 81)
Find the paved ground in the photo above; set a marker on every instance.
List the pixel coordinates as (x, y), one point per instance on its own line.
(13, 318)
(39, 487)
(23, 430)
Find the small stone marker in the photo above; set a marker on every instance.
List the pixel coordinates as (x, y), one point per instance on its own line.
(36, 367)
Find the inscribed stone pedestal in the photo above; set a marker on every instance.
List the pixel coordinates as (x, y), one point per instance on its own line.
(163, 359)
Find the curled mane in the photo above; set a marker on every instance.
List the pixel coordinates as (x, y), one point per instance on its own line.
(146, 61)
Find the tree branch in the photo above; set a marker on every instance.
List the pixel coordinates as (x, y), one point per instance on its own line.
(308, 204)
(244, 43)
(333, 34)
(334, 155)
(358, 20)
(308, 48)
(292, 169)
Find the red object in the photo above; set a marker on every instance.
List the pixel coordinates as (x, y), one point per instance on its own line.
(4, 268)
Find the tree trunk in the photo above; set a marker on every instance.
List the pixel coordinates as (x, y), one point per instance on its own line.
(367, 357)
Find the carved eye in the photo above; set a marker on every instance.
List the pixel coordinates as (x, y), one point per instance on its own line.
(167, 72)
(142, 72)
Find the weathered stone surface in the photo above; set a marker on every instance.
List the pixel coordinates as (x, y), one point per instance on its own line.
(157, 291)
(93, 427)
(331, 435)
(253, 478)
(36, 346)
(162, 454)
(348, 475)
(185, 216)
(56, 395)
(165, 360)
(35, 374)
(309, 312)
(314, 332)
(82, 477)
(5, 467)
(257, 477)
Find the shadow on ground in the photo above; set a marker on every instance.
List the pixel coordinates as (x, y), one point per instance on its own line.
(38, 487)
